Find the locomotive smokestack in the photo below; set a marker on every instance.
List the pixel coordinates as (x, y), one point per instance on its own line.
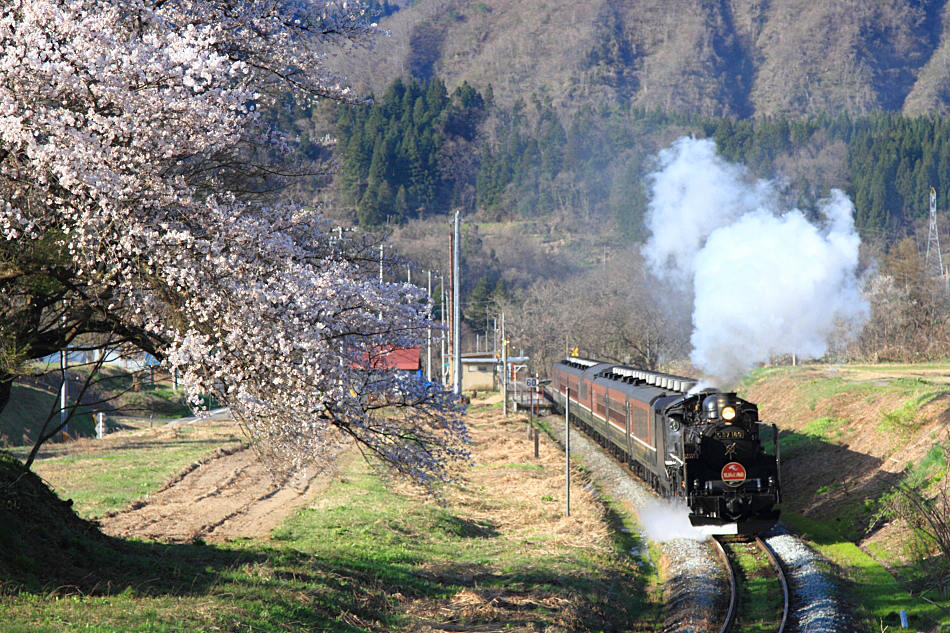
(764, 280)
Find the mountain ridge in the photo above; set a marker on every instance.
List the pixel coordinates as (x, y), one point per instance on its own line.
(739, 58)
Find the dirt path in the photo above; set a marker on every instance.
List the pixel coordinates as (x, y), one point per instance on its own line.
(229, 496)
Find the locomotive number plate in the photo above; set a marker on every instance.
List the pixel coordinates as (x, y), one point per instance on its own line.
(730, 435)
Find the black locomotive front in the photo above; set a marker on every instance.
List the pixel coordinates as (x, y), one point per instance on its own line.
(730, 482)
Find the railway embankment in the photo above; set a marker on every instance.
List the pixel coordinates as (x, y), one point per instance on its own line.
(852, 437)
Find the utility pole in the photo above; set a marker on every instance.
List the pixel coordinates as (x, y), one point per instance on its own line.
(934, 257)
(450, 368)
(567, 449)
(64, 392)
(456, 329)
(504, 366)
(380, 273)
(442, 364)
(429, 334)
(494, 336)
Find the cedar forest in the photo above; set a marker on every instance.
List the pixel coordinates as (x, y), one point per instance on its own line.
(417, 151)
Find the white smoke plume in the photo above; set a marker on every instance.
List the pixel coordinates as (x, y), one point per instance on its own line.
(765, 281)
(667, 520)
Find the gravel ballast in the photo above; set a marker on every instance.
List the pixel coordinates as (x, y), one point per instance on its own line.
(696, 586)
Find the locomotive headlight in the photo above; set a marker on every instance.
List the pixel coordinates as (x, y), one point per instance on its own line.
(728, 414)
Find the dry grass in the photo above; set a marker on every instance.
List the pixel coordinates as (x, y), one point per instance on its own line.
(523, 500)
(528, 494)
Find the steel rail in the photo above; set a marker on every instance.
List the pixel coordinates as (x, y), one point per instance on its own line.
(733, 587)
(781, 577)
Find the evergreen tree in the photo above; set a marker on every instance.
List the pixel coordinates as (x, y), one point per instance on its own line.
(476, 308)
(420, 140)
(500, 296)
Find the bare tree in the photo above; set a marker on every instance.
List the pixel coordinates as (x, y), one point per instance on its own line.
(909, 309)
(611, 313)
(923, 500)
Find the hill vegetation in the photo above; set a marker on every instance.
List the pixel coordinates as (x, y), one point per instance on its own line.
(416, 151)
(865, 457)
(744, 59)
(550, 196)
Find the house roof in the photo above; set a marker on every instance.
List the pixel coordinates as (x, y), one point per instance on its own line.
(481, 359)
(404, 359)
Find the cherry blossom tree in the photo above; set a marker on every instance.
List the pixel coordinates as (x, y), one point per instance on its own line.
(141, 200)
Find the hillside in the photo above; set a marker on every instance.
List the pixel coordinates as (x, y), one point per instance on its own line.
(849, 434)
(557, 113)
(745, 58)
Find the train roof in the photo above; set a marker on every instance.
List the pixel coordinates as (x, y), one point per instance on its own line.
(585, 364)
(630, 375)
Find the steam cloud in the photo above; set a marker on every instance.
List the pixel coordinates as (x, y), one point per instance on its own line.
(765, 281)
(667, 520)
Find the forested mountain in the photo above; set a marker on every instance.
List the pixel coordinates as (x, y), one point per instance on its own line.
(418, 151)
(736, 58)
(542, 121)
(557, 107)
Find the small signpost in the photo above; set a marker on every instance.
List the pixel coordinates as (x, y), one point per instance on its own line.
(101, 428)
(531, 383)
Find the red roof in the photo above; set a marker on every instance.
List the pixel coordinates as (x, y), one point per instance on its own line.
(405, 359)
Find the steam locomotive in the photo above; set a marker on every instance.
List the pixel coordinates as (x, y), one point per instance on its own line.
(700, 445)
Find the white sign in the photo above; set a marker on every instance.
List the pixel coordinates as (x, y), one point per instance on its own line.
(531, 383)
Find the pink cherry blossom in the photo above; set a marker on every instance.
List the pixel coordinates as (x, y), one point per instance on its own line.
(130, 144)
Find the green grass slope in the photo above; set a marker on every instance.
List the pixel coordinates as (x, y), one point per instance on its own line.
(29, 408)
(849, 434)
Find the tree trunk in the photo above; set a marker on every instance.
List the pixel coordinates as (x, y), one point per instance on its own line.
(6, 389)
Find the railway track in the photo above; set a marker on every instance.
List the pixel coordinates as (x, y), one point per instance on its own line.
(694, 586)
(758, 589)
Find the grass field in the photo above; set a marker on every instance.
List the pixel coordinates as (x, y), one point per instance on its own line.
(498, 554)
(367, 557)
(101, 476)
